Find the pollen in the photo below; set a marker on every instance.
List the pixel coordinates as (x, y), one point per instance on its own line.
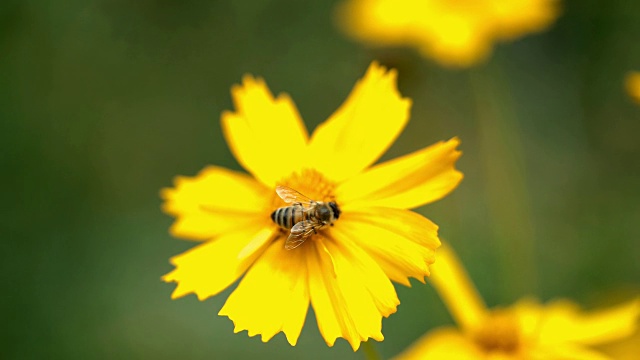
(309, 183)
(498, 333)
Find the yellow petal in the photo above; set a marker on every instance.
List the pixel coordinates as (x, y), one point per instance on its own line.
(406, 182)
(451, 281)
(266, 135)
(623, 349)
(516, 18)
(442, 344)
(362, 129)
(354, 264)
(455, 35)
(632, 84)
(213, 202)
(563, 322)
(209, 268)
(273, 296)
(528, 313)
(376, 22)
(567, 352)
(402, 242)
(349, 292)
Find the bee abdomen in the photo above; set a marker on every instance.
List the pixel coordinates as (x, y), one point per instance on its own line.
(286, 217)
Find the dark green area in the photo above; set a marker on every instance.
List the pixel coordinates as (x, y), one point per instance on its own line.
(103, 102)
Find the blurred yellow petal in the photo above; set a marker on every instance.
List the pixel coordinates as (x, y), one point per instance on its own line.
(457, 291)
(623, 349)
(454, 33)
(442, 344)
(567, 351)
(402, 242)
(262, 130)
(213, 202)
(355, 18)
(528, 313)
(209, 268)
(460, 49)
(563, 322)
(342, 296)
(515, 18)
(632, 84)
(405, 182)
(273, 296)
(363, 128)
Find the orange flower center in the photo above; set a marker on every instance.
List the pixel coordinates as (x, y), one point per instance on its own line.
(309, 183)
(499, 333)
(312, 185)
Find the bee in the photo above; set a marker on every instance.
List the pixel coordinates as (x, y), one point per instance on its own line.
(303, 217)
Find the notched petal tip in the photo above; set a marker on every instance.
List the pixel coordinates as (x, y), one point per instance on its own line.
(406, 182)
(180, 289)
(292, 340)
(257, 119)
(389, 312)
(380, 75)
(167, 193)
(362, 128)
(355, 343)
(272, 296)
(249, 83)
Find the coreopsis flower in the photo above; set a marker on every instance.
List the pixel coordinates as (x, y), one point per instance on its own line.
(632, 83)
(453, 32)
(526, 330)
(344, 271)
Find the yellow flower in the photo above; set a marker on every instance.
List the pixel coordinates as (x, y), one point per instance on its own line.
(625, 349)
(453, 32)
(526, 330)
(344, 271)
(632, 84)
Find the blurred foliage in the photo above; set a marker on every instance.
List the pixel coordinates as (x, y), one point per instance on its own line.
(102, 102)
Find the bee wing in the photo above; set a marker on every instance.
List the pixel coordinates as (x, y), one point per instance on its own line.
(300, 232)
(291, 196)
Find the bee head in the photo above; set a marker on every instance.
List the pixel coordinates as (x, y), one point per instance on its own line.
(335, 208)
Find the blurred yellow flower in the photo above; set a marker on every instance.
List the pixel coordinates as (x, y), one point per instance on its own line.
(625, 349)
(526, 330)
(453, 32)
(632, 84)
(343, 271)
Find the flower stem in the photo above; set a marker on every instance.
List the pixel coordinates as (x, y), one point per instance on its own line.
(370, 352)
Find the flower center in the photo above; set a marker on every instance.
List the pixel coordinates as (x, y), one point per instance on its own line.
(309, 183)
(499, 333)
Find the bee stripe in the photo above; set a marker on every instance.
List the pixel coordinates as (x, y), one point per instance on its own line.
(295, 215)
(299, 215)
(290, 214)
(286, 217)
(283, 216)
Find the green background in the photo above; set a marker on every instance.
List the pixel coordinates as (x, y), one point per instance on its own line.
(102, 103)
